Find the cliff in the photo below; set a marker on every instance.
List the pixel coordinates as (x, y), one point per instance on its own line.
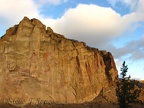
(37, 64)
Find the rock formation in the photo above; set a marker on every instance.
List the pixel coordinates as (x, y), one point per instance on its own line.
(38, 65)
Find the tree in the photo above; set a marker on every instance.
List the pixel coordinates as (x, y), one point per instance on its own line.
(127, 90)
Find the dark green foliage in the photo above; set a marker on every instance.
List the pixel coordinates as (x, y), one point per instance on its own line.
(127, 90)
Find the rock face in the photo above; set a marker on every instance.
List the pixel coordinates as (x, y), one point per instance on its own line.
(38, 65)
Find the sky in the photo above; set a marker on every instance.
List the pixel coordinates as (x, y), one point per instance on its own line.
(113, 25)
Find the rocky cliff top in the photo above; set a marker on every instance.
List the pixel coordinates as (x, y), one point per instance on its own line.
(38, 64)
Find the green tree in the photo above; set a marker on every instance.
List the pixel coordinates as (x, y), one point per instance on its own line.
(127, 90)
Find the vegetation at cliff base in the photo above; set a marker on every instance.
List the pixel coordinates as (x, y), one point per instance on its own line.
(127, 90)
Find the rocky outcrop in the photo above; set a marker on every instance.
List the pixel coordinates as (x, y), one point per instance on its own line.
(38, 65)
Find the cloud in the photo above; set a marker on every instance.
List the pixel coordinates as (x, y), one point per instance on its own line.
(94, 25)
(88, 21)
(133, 50)
(138, 49)
(53, 2)
(132, 4)
(140, 10)
(12, 11)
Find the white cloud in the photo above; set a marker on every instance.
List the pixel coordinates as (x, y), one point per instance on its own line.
(90, 17)
(140, 10)
(93, 24)
(53, 2)
(16, 8)
(88, 21)
(12, 11)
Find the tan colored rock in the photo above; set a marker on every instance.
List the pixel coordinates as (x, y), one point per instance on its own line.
(38, 64)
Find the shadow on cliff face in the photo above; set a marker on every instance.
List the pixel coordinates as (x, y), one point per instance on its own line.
(7, 105)
(110, 66)
(53, 105)
(84, 105)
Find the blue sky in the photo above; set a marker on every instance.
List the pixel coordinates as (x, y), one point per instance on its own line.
(113, 25)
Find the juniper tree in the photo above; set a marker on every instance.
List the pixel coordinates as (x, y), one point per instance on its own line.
(127, 90)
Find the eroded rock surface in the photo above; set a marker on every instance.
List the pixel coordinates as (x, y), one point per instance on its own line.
(38, 64)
